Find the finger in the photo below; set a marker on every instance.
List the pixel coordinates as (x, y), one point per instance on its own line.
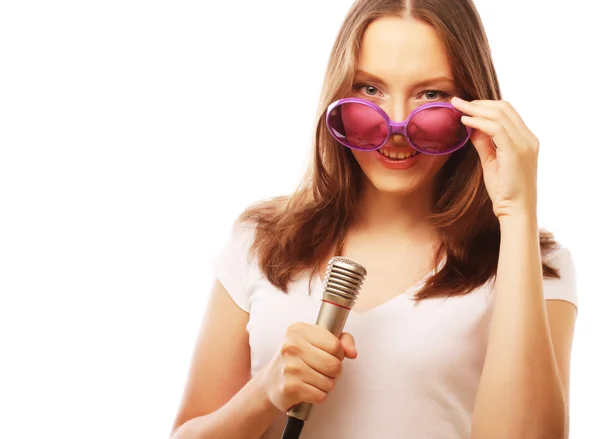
(522, 134)
(313, 395)
(492, 128)
(484, 146)
(324, 340)
(509, 111)
(499, 111)
(349, 345)
(316, 379)
(486, 109)
(296, 386)
(321, 361)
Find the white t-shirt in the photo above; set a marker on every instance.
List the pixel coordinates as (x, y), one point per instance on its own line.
(418, 366)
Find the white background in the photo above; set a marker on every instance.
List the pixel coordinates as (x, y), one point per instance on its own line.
(132, 133)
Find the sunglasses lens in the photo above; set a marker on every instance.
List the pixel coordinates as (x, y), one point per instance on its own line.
(358, 126)
(437, 130)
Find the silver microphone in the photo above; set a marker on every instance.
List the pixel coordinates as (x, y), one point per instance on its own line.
(343, 280)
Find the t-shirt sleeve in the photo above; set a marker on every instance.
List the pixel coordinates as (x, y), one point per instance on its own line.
(232, 266)
(564, 288)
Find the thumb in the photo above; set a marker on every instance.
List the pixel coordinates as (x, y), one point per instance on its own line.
(484, 146)
(349, 345)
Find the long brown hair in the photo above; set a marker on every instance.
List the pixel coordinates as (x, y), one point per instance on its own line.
(294, 234)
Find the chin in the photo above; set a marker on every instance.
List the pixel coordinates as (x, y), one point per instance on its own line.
(397, 186)
(416, 178)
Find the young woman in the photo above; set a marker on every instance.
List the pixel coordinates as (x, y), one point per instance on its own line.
(463, 327)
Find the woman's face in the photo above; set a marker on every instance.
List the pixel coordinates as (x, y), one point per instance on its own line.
(402, 65)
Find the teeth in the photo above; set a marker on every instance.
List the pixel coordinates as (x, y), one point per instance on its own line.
(395, 155)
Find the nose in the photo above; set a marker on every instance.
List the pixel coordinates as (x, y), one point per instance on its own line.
(397, 140)
(397, 110)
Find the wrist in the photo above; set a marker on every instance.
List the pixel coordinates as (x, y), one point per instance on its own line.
(519, 218)
(519, 231)
(516, 209)
(264, 399)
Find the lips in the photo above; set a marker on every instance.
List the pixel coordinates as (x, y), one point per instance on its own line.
(397, 154)
(397, 164)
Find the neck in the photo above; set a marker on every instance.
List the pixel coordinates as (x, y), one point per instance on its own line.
(396, 214)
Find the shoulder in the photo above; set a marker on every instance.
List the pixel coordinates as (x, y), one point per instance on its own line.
(565, 286)
(265, 210)
(238, 251)
(242, 232)
(237, 265)
(559, 257)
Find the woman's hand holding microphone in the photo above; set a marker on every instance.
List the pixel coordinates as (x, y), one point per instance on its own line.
(306, 366)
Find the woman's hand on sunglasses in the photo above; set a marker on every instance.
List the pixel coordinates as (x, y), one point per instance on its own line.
(509, 154)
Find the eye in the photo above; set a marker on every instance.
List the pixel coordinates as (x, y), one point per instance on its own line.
(367, 89)
(432, 95)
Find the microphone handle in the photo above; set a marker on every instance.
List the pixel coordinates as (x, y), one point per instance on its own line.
(332, 316)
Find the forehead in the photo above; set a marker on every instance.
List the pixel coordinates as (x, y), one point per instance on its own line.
(401, 50)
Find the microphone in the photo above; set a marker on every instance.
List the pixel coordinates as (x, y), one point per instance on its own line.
(343, 280)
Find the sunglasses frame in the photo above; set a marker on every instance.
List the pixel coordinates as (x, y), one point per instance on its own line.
(393, 127)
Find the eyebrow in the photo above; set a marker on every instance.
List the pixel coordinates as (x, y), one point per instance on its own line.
(435, 80)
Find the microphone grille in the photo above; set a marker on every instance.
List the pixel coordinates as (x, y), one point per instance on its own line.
(344, 277)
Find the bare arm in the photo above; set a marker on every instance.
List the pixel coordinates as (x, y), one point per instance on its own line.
(220, 400)
(524, 387)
